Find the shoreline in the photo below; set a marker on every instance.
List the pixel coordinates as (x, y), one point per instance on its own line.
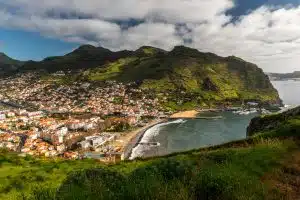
(192, 113)
(134, 141)
(185, 114)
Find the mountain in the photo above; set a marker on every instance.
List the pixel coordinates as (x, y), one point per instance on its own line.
(86, 56)
(185, 76)
(8, 65)
(285, 76)
(189, 77)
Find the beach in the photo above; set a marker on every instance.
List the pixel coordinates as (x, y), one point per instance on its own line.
(129, 140)
(185, 114)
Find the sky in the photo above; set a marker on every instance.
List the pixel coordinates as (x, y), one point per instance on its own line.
(265, 32)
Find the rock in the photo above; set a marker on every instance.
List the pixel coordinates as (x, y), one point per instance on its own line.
(265, 123)
(208, 85)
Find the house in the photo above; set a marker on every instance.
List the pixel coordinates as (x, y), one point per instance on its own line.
(252, 103)
(59, 73)
(132, 120)
(85, 144)
(21, 112)
(61, 148)
(2, 116)
(89, 126)
(35, 114)
(10, 114)
(62, 132)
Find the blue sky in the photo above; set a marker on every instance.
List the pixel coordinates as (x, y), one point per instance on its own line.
(35, 30)
(24, 45)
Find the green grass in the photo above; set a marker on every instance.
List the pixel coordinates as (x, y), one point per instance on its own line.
(20, 176)
(109, 71)
(220, 174)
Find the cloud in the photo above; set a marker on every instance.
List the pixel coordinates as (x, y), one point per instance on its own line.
(268, 36)
(169, 10)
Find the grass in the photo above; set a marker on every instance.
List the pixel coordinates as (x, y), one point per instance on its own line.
(20, 176)
(245, 169)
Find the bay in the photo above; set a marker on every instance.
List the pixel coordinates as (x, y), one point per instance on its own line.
(183, 135)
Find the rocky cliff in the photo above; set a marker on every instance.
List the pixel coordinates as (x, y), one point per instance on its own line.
(271, 122)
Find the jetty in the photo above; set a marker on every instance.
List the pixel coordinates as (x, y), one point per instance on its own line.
(149, 143)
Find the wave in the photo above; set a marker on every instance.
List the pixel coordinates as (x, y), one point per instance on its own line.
(149, 134)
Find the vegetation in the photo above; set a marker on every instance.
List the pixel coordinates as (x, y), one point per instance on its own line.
(8, 65)
(184, 74)
(264, 166)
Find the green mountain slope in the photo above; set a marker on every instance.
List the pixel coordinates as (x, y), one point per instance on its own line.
(86, 56)
(8, 65)
(184, 77)
(189, 75)
(264, 166)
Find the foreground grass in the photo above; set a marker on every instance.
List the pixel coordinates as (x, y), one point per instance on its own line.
(249, 169)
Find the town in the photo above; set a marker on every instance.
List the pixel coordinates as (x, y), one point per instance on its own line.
(72, 121)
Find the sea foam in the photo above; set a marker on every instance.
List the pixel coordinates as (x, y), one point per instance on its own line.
(140, 150)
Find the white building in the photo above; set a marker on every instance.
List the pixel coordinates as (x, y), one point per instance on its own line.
(2, 116)
(10, 114)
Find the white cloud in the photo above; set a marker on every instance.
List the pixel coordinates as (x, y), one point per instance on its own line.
(267, 36)
(169, 10)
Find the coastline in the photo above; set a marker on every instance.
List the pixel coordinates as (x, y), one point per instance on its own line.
(185, 114)
(138, 135)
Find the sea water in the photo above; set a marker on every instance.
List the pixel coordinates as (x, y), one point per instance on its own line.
(183, 135)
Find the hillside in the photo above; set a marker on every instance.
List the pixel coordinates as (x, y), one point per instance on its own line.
(185, 78)
(86, 56)
(8, 65)
(190, 77)
(264, 166)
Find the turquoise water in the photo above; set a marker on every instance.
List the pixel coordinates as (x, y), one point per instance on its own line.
(183, 135)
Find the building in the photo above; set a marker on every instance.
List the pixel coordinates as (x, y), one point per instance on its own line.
(2, 116)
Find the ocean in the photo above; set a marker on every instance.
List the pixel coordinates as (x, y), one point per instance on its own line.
(182, 135)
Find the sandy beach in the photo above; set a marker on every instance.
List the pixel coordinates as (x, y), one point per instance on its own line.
(128, 140)
(185, 114)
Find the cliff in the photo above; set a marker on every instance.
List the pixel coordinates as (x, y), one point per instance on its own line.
(271, 122)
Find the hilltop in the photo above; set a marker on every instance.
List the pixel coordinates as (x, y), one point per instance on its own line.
(185, 77)
(8, 64)
(263, 166)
